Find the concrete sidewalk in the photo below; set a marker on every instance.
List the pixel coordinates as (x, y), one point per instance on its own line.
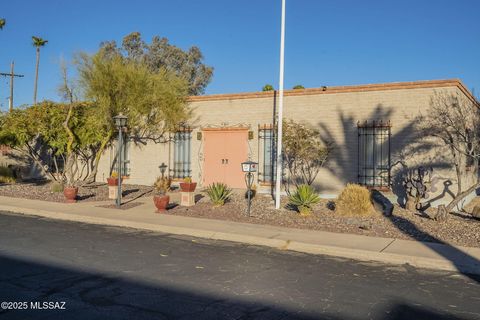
(387, 250)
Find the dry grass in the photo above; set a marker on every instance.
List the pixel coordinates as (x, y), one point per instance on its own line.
(6, 175)
(355, 200)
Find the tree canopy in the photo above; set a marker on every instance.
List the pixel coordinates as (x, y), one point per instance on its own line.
(267, 87)
(160, 55)
(41, 132)
(153, 101)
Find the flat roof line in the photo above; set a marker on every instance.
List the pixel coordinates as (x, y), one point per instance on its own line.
(341, 89)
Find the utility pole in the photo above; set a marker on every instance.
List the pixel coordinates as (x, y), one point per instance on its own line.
(12, 75)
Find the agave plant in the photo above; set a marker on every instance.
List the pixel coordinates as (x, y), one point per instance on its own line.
(218, 193)
(304, 198)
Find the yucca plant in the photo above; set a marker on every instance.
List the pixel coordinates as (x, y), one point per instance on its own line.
(304, 198)
(218, 193)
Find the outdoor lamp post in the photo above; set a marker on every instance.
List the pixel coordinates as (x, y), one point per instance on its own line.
(249, 167)
(121, 123)
(163, 168)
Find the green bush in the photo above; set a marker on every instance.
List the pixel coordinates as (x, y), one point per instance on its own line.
(57, 187)
(218, 193)
(6, 175)
(304, 198)
(354, 200)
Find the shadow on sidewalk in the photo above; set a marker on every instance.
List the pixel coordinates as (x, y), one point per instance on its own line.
(460, 259)
(95, 296)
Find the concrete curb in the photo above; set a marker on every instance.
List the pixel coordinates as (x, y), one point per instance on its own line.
(281, 244)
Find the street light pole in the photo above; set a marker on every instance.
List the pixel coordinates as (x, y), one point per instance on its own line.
(278, 181)
(121, 123)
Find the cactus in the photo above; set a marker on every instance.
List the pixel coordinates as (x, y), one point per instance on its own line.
(419, 183)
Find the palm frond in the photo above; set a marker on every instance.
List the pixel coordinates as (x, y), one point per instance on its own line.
(38, 42)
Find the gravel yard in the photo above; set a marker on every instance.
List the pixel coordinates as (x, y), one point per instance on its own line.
(460, 229)
(42, 190)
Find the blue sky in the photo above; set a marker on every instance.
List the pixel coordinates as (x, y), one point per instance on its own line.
(329, 43)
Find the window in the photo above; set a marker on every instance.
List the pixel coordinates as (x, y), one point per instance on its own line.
(374, 154)
(125, 156)
(181, 154)
(266, 137)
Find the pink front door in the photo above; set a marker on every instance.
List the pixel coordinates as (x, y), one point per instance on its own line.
(224, 151)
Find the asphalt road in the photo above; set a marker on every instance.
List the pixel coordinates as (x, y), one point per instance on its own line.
(95, 272)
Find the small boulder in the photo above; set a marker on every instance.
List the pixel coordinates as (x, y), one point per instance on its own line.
(381, 203)
(476, 212)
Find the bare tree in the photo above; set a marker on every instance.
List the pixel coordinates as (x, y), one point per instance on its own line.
(454, 120)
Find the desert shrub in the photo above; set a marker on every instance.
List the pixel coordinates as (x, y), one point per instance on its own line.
(57, 187)
(304, 151)
(6, 175)
(304, 198)
(162, 185)
(354, 200)
(218, 193)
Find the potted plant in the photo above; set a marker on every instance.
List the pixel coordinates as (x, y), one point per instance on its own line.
(160, 198)
(113, 179)
(187, 185)
(70, 192)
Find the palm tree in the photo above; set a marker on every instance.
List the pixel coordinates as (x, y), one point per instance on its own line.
(37, 42)
(2, 23)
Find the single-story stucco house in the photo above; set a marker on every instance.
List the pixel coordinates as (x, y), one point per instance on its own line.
(371, 127)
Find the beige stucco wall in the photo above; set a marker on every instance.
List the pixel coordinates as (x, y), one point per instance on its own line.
(335, 114)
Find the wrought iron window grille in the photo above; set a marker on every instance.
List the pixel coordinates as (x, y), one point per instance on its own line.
(374, 158)
(182, 153)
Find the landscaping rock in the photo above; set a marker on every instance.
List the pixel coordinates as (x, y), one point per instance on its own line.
(381, 203)
(43, 190)
(476, 212)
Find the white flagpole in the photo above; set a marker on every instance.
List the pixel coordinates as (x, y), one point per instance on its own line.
(280, 113)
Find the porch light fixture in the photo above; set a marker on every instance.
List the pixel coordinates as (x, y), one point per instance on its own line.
(121, 123)
(249, 167)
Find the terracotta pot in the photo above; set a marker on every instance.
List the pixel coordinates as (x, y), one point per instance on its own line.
(113, 181)
(70, 194)
(161, 202)
(188, 186)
